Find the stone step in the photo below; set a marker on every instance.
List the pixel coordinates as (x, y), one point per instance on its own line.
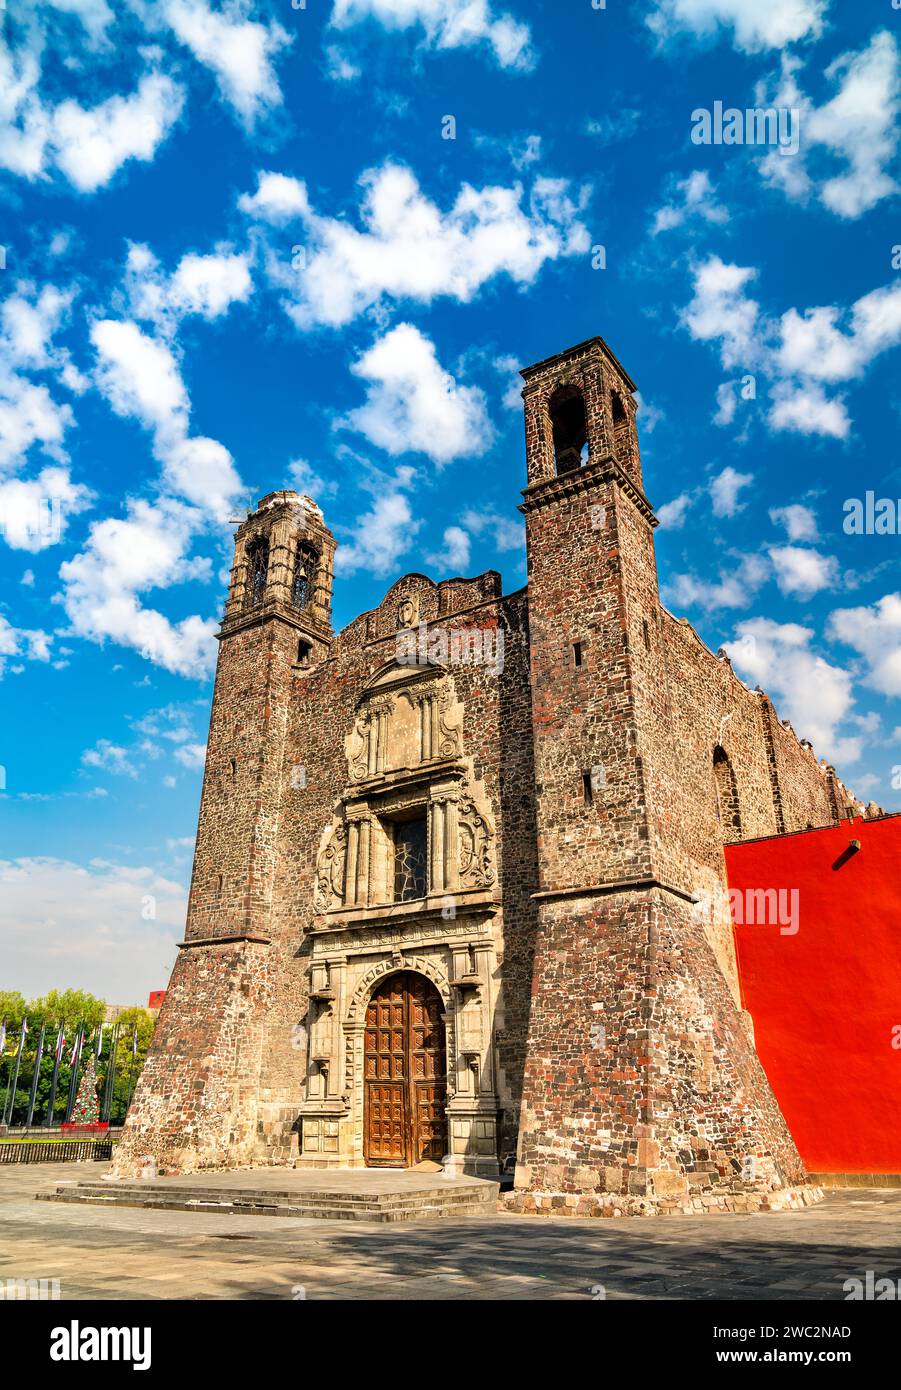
(333, 1204)
(483, 1193)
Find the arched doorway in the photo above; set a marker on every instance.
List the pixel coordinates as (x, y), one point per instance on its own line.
(404, 1074)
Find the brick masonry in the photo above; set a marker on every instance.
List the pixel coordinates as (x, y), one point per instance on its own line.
(597, 776)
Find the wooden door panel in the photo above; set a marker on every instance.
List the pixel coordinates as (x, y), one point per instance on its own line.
(405, 1073)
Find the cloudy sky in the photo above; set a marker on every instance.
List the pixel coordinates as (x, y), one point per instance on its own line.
(308, 244)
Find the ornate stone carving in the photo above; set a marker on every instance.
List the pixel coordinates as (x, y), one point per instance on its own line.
(358, 746)
(476, 846)
(329, 890)
(450, 745)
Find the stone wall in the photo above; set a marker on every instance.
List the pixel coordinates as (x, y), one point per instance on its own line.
(619, 1058)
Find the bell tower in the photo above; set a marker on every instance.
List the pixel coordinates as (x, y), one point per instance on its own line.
(199, 1102)
(642, 1090)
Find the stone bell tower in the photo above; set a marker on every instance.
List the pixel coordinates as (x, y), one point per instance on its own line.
(199, 1101)
(642, 1090)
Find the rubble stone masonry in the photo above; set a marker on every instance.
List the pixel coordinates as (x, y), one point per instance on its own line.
(578, 798)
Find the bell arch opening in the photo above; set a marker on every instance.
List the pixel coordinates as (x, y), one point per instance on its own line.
(569, 428)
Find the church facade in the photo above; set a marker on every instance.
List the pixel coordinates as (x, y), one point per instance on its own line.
(459, 888)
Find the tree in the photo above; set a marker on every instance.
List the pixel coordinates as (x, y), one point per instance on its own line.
(86, 1111)
(128, 1064)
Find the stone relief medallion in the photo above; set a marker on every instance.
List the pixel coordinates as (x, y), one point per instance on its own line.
(408, 612)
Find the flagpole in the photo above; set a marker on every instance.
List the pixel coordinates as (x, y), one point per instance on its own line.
(12, 1100)
(34, 1079)
(110, 1075)
(60, 1044)
(76, 1058)
(131, 1070)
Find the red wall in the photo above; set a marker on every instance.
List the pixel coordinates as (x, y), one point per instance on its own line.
(824, 1001)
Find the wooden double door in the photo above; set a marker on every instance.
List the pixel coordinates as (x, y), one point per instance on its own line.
(405, 1074)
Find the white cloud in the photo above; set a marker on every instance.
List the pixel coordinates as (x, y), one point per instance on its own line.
(725, 489)
(140, 378)
(692, 197)
(799, 521)
(305, 480)
(612, 127)
(720, 310)
(191, 755)
(88, 927)
(110, 757)
(755, 24)
(206, 285)
(88, 144)
(734, 588)
(124, 557)
(29, 644)
(671, 515)
(858, 127)
(454, 557)
(95, 15)
(874, 632)
(814, 345)
(814, 694)
(447, 24)
(382, 534)
(801, 572)
(238, 50)
(408, 248)
(808, 410)
(91, 145)
(29, 319)
(412, 404)
(506, 533)
(801, 350)
(34, 514)
(28, 416)
(279, 199)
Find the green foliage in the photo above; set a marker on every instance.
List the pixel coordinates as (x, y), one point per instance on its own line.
(12, 1008)
(70, 1007)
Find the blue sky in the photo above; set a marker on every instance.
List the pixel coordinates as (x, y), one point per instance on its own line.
(242, 254)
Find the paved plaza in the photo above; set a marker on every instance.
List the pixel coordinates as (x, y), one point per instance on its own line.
(127, 1253)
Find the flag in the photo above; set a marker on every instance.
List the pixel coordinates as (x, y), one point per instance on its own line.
(2, 1035)
(60, 1042)
(100, 1042)
(134, 1044)
(35, 1077)
(8, 1111)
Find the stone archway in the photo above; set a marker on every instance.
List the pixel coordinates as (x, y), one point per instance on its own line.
(404, 1073)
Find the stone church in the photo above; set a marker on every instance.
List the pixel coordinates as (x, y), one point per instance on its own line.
(448, 897)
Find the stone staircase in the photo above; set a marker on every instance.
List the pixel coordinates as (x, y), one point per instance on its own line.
(448, 1198)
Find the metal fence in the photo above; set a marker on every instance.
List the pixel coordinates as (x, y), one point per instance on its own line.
(63, 1151)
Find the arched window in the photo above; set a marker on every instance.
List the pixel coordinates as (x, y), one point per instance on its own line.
(304, 575)
(619, 417)
(570, 429)
(727, 807)
(257, 571)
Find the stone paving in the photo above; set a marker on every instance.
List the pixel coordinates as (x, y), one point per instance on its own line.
(124, 1253)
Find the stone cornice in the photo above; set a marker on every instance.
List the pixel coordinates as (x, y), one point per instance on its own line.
(619, 885)
(549, 490)
(224, 941)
